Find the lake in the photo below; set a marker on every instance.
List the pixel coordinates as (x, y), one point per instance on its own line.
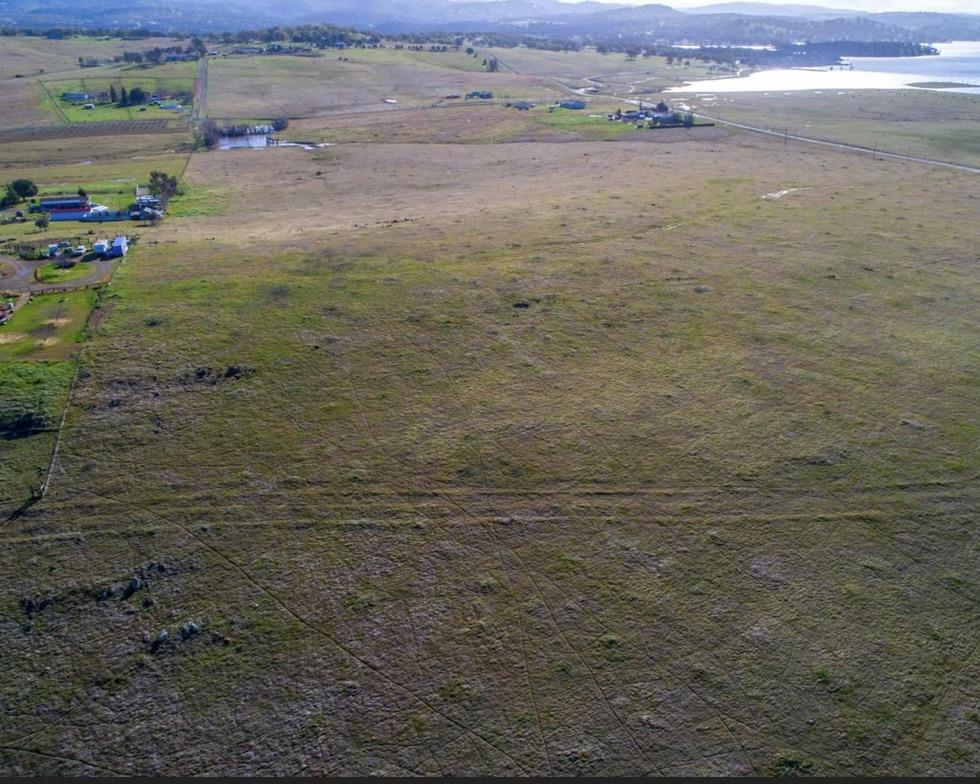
(958, 61)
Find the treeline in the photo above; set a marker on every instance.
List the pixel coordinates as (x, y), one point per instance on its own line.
(57, 33)
(319, 35)
(809, 54)
(633, 45)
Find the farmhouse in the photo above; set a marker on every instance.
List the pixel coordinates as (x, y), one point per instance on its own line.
(74, 96)
(572, 104)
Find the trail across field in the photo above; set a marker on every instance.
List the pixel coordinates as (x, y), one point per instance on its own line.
(839, 145)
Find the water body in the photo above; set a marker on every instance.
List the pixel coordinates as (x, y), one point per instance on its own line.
(254, 141)
(260, 141)
(957, 62)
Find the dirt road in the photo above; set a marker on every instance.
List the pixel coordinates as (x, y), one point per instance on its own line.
(199, 111)
(839, 145)
(17, 275)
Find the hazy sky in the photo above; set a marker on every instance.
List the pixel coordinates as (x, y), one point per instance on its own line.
(960, 6)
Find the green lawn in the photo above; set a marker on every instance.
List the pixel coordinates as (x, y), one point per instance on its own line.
(169, 79)
(47, 328)
(580, 120)
(54, 273)
(33, 397)
(112, 183)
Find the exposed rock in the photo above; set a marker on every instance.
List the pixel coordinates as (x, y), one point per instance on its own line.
(109, 592)
(159, 640)
(913, 423)
(30, 605)
(135, 583)
(188, 630)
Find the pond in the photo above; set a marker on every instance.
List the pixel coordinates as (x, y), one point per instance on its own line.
(249, 140)
(261, 141)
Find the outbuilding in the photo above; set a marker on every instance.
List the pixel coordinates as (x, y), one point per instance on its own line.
(120, 245)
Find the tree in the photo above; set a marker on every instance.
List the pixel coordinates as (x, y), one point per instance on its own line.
(210, 134)
(112, 93)
(82, 193)
(137, 96)
(42, 222)
(8, 198)
(662, 108)
(163, 185)
(123, 96)
(280, 124)
(24, 189)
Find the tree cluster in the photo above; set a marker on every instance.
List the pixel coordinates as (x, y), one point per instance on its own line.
(16, 191)
(163, 185)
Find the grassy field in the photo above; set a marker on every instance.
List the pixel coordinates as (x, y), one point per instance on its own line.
(34, 395)
(34, 55)
(109, 182)
(924, 123)
(25, 105)
(455, 123)
(28, 64)
(167, 80)
(286, 86)
(36, 156)
(48, 327)
(612, 73)
(485, 445)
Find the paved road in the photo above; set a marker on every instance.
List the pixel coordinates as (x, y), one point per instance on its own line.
(21, 276)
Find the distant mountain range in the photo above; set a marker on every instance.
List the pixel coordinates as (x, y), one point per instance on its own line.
(726, 23)
(775, 9)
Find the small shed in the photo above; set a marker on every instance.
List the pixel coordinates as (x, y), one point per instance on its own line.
(120, 245)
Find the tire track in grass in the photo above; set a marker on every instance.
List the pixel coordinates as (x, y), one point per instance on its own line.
(492, 535)
(349, 652)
